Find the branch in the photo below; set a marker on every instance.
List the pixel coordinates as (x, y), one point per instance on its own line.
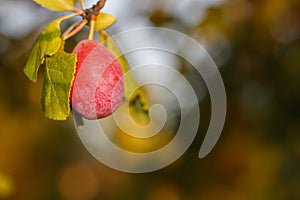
(92, 13)
(75, 28)
(82, 5)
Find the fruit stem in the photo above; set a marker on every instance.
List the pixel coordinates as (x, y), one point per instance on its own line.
(92, 29)
(89, 17)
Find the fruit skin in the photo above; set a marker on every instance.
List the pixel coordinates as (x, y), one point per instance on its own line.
(98, 86)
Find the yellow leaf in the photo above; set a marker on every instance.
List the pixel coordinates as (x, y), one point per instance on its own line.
(57, 5)
(104, 21)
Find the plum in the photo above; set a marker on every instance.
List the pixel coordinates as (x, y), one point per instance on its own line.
(98, 86)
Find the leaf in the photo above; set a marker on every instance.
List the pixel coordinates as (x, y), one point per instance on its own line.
(57, 5)
(58, 78)
(138, 107)
(46, 44)
(104, 21)
(135, 95)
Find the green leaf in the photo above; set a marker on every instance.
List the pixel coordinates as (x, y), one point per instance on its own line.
(138, 104)
(57, 5)
(104, 21)
(46, 44)
(58, 78)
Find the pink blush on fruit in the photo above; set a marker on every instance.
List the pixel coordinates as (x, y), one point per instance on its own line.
(98, 86)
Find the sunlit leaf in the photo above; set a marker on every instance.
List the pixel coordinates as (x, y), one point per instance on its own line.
(135, 95)
(57, 5)
(104, 21)
(58, 78)
(46, 44)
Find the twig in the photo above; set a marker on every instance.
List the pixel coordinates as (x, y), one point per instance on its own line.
(80, 13)
(82, 5)
(75, 10)
(89, 17)
(92, 13)
(92, 29)
(72, 27)
(76, 28)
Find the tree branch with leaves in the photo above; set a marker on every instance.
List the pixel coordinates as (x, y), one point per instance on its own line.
(61, 67)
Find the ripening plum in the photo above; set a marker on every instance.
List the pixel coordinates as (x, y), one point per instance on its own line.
(98, 86)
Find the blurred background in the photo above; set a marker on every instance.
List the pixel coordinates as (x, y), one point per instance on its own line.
(255, 44)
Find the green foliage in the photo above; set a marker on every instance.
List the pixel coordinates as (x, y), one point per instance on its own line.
(58, 78)
(57, 5)
(47, 44)
(60, 66)
(59, 71)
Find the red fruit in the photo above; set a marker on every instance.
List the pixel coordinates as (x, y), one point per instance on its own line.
(98, 86)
